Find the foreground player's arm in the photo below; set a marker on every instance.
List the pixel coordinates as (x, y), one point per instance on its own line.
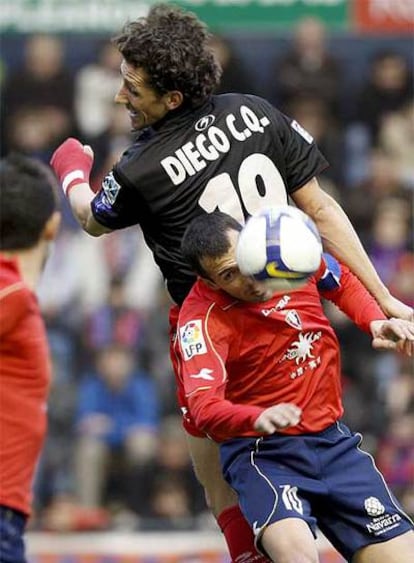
(205, 377)
(393, 334)
(338, 284)
(277, 418)
(341, 240)
(72, 163)
(221, 419)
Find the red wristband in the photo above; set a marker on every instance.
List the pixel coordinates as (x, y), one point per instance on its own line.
(71, 164)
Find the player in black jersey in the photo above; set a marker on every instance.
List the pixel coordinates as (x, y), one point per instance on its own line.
(193, 153)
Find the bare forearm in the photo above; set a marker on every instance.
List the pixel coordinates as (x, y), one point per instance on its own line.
(80, 198)
(341, 240)
(339, 236)
(72, 163)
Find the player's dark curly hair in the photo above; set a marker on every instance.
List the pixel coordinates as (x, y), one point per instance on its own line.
(171, 45)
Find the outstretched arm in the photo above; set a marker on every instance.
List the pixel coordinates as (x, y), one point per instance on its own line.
(393, 334)
(72, 163)
(341, 240)
(337, 283)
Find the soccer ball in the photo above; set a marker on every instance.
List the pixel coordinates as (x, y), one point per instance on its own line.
(280, 246)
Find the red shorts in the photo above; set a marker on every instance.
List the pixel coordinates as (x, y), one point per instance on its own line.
(188, 422)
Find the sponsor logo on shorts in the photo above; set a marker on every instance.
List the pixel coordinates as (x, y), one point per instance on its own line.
(380, 522)
(192, 339)
(373, 507)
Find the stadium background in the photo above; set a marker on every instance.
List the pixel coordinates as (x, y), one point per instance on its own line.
(98, 293)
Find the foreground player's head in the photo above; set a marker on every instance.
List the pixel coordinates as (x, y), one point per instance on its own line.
(167, 63)
(28, 203)
(209, 247)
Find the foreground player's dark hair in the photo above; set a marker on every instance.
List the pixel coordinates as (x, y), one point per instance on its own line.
(171, 45)
(207, 236)
(27, 200)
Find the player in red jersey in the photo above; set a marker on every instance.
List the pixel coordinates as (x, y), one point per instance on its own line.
(29, 222)
(194, 152)
(261, 374)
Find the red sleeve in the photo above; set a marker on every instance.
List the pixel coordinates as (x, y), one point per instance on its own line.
(222, 419)
(354, 300)
(13, 305)
(204, 338)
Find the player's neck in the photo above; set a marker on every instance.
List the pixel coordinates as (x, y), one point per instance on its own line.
(30, 262)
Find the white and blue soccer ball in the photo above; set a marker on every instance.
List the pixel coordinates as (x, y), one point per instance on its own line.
(281, 246)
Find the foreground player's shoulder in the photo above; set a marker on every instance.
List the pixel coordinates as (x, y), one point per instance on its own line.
(235, 101)
(131, 163)
(204, 303)
(16, 299)
(203, 321)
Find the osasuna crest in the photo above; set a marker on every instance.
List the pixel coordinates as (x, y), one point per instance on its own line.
(292, 318)
(110, 188)
(192, 339)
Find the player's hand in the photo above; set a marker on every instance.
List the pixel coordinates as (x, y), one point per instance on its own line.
(393, 307)
(393, 334)
(72, 163)
(278, 417)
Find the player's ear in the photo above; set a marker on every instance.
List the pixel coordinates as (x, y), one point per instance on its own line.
(173, 99)
(51, 227)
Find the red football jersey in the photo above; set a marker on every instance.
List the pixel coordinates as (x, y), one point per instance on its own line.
(24, 383)
(239, 358)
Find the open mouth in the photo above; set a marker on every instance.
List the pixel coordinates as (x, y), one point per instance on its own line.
(131, 111)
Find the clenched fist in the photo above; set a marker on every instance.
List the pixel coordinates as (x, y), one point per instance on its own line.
(72, 163)
(278, 417)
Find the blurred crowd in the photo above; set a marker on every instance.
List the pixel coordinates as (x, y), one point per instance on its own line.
(115, 454)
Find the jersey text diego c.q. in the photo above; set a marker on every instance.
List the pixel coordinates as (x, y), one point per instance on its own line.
(193, 156)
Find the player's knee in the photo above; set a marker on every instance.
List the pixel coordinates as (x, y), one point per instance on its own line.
(220, 496)
(206, 463)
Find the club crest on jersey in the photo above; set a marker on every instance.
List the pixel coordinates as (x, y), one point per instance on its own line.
(292, 318)
(192, 339)
(204, 122)
(110, 188)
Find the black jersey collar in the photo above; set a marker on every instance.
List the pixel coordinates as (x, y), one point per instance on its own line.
(176, 116)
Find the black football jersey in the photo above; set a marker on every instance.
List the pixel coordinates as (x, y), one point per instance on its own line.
(236, 153)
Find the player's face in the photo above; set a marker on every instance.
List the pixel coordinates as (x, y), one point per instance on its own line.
(144, 105)
(224, 274)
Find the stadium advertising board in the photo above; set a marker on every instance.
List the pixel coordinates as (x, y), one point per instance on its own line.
(394, 16)
(109, 15)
